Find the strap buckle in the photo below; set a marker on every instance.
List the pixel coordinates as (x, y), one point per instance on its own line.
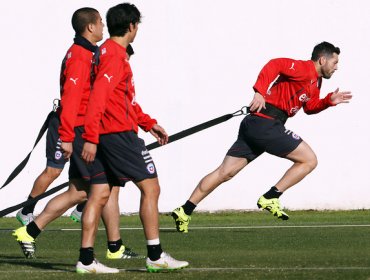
(243, 111)
(56, 104)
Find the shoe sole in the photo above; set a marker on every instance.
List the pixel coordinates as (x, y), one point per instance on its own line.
(156, 270)
(73, 218)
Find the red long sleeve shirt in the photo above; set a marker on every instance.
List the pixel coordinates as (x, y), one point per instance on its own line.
(75, 90)
(295, 84)
(112, 107)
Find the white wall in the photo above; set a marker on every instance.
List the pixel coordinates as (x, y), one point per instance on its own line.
(197, 60)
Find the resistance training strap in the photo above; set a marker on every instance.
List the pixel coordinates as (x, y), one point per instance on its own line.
(33, 200)
(20, 167)
(199, 127)
(243, 111)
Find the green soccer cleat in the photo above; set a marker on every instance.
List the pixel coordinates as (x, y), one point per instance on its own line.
(26, 242)
(165, 263)
(76, 215)
(181, 219)
(24, 219)
(123, 253)
(273, 206)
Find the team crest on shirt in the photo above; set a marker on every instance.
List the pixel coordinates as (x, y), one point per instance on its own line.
(103, 51)
(303, 98)
(58, 155)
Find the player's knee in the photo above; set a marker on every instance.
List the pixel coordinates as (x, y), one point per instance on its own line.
(225, 175)
(53, 172)
(80, 197)
(152, 191)
(311, 162)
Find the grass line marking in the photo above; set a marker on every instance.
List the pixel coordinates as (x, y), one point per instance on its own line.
(206, 269)
(216, 227)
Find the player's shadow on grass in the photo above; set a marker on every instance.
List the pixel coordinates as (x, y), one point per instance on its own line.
(38, 263)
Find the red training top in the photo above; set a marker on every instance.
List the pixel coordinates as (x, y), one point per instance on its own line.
(296, 84)
(112, 106)
(75, 90)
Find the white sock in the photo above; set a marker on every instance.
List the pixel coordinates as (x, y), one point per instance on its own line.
(153, 242)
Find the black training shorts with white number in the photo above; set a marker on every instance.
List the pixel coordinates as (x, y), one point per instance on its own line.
(258, 135)
(54, 154)
(127, 157)
(93, 173)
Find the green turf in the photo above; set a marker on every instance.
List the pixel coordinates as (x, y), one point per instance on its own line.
(310, 245)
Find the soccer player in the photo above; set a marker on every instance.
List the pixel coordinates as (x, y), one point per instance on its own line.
(295, 84)
(114, 113)
(54, 166)
(76, 76)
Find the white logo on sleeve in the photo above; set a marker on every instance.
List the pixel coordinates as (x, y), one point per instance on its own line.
(74, 80)
(292, 67)
(108, 78)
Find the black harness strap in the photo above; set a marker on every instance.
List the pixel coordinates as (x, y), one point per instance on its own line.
(274, 112)
(172, 138)
(20, 167)
(199, 127)
(33, 200)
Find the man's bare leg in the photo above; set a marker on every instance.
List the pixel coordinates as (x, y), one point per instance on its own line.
(42, 182)
(304, 161)
(229, 167)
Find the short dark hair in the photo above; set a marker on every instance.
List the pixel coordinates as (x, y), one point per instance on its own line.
(324, 49)
(82, 18)
(119, 18)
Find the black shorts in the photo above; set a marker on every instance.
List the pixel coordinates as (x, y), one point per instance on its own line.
(258, 135)
(93, 173)
(54, 154)
(127, 157)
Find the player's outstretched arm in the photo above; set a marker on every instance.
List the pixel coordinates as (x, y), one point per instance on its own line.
(340, 97)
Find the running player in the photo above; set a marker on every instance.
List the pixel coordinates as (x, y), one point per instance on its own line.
(296, 84)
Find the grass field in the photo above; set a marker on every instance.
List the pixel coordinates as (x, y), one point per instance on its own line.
(228, 245)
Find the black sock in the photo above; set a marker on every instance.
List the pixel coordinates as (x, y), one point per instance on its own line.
(189, 207)
(33, 229)
(273, 193)
(86, 255)
(81, 206)
(114, 246)
(154, 251)
(30, 208)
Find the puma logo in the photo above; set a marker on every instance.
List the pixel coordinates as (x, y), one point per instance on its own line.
(108, 78)
(74, 80)
(292, 67)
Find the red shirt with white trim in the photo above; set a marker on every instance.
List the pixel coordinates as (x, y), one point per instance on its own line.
(75, 90)
(294, 84)
(112, 106)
